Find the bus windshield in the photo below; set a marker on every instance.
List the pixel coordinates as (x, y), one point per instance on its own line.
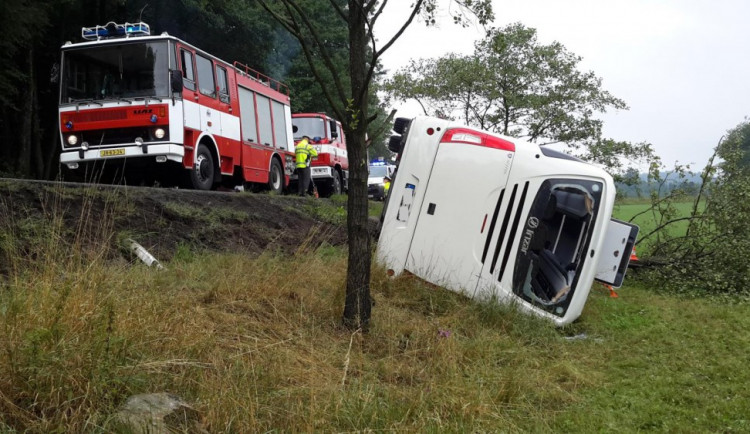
(128, 70)
(554, 242)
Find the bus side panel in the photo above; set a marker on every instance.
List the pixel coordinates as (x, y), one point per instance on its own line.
(405, 198)
(453, 217)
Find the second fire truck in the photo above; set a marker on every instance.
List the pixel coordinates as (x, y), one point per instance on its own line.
(330, 170)
(159, 109)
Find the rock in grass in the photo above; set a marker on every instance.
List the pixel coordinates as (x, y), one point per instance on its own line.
(157, 413)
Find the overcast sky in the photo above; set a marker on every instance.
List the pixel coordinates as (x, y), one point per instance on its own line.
(682, 66)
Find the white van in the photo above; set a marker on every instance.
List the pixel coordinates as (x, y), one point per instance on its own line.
(496, 217)
(377, 170)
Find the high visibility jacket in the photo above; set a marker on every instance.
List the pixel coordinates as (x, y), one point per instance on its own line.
(386, 187)
(304, 153)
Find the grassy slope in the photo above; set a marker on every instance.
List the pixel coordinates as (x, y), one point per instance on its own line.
(255, 344)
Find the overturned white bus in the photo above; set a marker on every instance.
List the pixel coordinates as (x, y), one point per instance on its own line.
(496, 217)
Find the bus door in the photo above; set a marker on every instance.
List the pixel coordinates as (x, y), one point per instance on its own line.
(460, 195)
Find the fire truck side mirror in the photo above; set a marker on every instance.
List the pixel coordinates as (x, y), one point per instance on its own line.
(176, 81)
(334, 131)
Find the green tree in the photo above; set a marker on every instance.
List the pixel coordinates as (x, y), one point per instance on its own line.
(514, 85)
(736, 148)
(706, 251)
(352, 105)
(307, 92)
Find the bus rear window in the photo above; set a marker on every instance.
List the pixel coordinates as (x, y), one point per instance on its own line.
(554, 242)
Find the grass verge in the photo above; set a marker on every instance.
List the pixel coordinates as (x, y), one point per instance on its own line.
(255, 344)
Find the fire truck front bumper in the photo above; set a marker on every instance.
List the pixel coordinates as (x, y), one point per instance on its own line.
(317, 173)
(161, 152)
(322, 172)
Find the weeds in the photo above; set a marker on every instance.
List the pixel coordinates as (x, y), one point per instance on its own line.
(255, 344)
(213, 218)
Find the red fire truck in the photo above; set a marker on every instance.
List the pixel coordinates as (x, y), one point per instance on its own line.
(157, 109)
(330, 170)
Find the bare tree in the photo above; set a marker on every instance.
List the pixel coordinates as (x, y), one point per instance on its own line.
(351, 105)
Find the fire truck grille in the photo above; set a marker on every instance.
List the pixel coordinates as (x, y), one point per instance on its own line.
(507, 230)
(116, 136)
(96, 116)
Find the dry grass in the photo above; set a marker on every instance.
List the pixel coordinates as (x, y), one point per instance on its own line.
(256, 345)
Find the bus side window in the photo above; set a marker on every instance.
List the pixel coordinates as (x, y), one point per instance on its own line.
(188, 77)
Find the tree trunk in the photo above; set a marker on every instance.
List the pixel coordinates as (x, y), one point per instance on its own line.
(357, 308)
(51, 170)
(37, 158)
(23, 164)
(6, 119)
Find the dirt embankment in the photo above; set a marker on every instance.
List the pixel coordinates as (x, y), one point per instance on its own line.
(162, 220)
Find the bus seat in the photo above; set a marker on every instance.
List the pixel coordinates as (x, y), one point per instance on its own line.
(571, 204)
(550, 277)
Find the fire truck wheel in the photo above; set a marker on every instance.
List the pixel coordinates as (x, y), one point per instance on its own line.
(276, 177)
(202, 176)
(336, 183)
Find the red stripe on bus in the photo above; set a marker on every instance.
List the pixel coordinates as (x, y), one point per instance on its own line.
(472, 137)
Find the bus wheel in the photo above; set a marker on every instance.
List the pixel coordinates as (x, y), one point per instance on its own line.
(276, 177)
(202, 175)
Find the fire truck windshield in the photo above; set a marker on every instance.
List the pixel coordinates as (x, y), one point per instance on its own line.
(311, 127)
(115, 71)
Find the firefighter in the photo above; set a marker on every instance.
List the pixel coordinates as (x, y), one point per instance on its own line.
(304, 153)
(386, 186)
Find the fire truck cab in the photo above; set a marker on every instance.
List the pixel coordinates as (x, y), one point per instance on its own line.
(155, 108)
(330, 169)
(498, 218)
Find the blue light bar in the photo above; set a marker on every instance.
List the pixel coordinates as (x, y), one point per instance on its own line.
(114, 30)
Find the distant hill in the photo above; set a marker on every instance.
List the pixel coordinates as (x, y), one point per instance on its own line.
(690, 183)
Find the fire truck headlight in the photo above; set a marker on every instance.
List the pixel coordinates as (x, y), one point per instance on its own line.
(159, 133)
(72, 140)
(85, 146)
(139, 141)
